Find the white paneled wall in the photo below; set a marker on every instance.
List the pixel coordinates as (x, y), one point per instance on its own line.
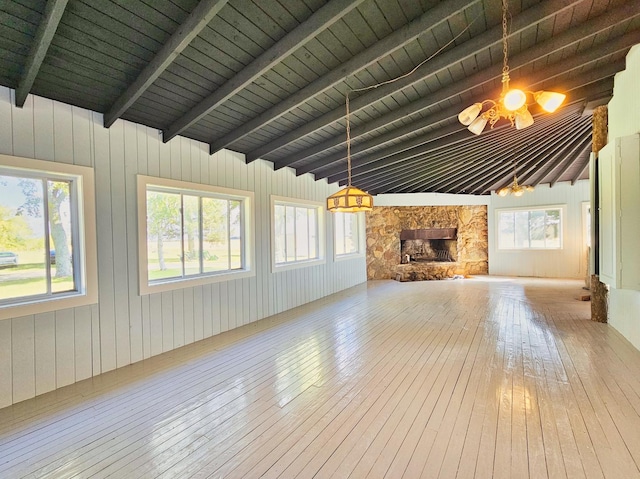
(624, 120)
(568, 262)
(46, 351)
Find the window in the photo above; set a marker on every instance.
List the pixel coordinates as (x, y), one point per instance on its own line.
(347, 233)
(192, 234)
(47, 236)
(530, 229)
(297, 232)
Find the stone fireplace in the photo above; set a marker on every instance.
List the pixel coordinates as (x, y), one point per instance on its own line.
(414, 243)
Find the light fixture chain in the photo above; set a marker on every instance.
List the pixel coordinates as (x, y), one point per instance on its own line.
(505, 53)
(348, 141)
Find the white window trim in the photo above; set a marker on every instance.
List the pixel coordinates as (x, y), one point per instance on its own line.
(563, 211)
(275, 268)
(362, 244)
(171, 284)
(88, 287)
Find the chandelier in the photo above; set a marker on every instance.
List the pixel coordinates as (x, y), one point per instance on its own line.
(512, 103)
(514, 188)
(349, 199)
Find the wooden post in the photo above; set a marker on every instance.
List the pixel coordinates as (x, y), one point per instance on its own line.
(599, 292)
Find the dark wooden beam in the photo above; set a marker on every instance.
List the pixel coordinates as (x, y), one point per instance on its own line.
(322, 166)
(581, 169)
(594, 75)
(494, 146)
(489, 38)
(303, 33)
(392, 42)
(53, 11)
(199, 18)
(571, 157)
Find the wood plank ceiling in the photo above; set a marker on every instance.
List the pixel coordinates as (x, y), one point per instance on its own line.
(268, 78)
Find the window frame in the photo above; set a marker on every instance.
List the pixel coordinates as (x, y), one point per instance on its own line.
(83, 216)
(529, 209)
(200, 190)
(320, 232)
(361, 244)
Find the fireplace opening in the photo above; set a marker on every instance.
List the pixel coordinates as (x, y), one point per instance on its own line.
(429, 245)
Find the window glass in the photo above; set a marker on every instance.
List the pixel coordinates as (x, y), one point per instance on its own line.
(296, 233)
(38, 230)
(163, 235)
(192, 234)
(530, 229)
(346, 233)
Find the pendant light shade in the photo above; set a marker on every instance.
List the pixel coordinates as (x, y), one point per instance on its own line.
(549, 100)
(470, 113)
(350, 200)
(523, 119)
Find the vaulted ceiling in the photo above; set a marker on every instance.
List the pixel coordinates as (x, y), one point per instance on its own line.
(268, 78)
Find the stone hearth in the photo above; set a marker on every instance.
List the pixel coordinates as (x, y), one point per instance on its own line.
(384, 227)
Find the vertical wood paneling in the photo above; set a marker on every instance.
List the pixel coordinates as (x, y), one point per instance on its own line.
(6, 374)
(62, 132)
(43, 129)
(96, 350)
(82, 343)
(119, 238)
(187, 311)
(23, 358)
(6, 131)
(134, 161)
(81, 127)
(105, 247)
(45, 351)
(23, 125)
(155, 320)
(167, 321)
(65, 347)
(61, 347)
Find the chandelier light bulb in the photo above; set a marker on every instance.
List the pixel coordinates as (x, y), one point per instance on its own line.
(514, 99)
(549, 100)
(503, 191)
(469, 114)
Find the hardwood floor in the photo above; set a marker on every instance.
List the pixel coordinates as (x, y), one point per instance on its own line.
(485, 377)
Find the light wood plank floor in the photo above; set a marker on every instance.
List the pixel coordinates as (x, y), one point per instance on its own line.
(485, 377)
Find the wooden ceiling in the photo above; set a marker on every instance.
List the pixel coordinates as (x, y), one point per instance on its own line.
(268, 78)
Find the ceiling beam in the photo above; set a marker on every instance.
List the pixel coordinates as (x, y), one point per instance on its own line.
(197, 20)
(535, 143)
(406, 146)
(292, 41)
(388, 157)
(496, 146)
(581, 169)
(444, 61)
(392, 42)
(360, 148)
(576, 85)
(572, 156)
(578, 129)
(53, 11)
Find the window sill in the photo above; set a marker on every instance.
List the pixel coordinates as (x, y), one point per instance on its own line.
(181, 283)
(298, 264)
(47, 305)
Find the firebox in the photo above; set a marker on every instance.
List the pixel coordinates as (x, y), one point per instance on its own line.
(429, 245)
